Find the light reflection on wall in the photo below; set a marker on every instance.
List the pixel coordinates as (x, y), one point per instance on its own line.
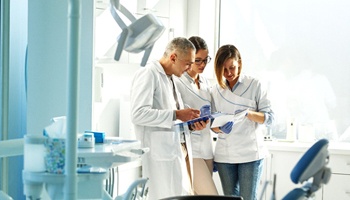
(299, 50)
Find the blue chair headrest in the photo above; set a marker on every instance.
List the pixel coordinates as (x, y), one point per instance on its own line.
(311, 162)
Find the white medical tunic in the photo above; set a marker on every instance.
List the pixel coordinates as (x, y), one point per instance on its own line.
(152, 107)
(196, 98)
(245, 142)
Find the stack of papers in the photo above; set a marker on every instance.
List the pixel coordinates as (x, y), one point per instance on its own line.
(192, 121)
(219, 119)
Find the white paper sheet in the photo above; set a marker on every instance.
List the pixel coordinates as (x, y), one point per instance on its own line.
(223, 118)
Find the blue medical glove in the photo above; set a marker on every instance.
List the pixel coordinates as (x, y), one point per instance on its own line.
(227, 127)
(205, 110)
(215, 168)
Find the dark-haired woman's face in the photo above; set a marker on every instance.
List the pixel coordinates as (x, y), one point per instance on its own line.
(200, 61)
(231, 69)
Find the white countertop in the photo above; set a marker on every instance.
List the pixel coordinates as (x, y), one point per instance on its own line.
(296, 146)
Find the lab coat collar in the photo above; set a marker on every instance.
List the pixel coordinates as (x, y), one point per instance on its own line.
(159, 67)
(236, 85)
(190, 79)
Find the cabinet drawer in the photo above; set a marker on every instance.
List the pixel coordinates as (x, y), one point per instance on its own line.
(337, 188)
(339, 164)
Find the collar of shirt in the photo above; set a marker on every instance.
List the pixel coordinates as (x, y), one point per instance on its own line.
(236, 85)
(190, 79)
(159, 67)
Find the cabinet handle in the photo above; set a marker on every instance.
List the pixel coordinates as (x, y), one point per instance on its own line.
(347, 192)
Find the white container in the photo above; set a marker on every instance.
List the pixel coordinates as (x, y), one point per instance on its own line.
(291, 130)
(306, 133)
(34, 153)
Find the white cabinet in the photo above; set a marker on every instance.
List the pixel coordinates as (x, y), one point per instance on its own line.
(282, 163)
(337, 188)
(123, 176)
(284, 157)
(339, 184)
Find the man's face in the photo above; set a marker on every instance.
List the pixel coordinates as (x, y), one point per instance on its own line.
(183, 63)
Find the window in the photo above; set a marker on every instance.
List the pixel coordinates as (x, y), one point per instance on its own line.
(299, 49)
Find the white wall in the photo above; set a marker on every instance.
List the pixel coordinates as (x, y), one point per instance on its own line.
(202, 21)
(48, 61)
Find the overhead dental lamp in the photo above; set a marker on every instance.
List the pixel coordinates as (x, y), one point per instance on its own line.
(139, 36)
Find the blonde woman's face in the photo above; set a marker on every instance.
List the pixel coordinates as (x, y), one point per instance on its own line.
(231, 69)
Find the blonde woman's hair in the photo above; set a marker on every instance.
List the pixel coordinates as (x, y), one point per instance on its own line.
(224, 53)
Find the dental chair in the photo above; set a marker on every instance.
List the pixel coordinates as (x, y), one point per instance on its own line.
(137, 190)
(311, 165)
(139, 36)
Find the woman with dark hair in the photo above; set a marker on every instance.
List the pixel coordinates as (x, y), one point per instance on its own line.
(240, 151)
(195, 93)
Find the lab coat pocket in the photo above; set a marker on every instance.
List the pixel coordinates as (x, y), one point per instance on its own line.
(165, 145)
(222, 136)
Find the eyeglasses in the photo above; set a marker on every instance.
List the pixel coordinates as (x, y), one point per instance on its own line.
(200, 61)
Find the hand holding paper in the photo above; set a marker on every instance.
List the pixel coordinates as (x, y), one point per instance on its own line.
(227, 127)
(221, 119)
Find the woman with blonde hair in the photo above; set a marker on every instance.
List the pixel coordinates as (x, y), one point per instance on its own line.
(240, 151)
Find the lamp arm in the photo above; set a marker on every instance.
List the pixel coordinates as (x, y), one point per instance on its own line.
(115, 5)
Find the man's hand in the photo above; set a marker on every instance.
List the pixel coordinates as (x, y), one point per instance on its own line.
(187, 114)
(200, 125)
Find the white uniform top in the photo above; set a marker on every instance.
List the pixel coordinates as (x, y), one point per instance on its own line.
(196, 98)
(245, 142)
(152, 107)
